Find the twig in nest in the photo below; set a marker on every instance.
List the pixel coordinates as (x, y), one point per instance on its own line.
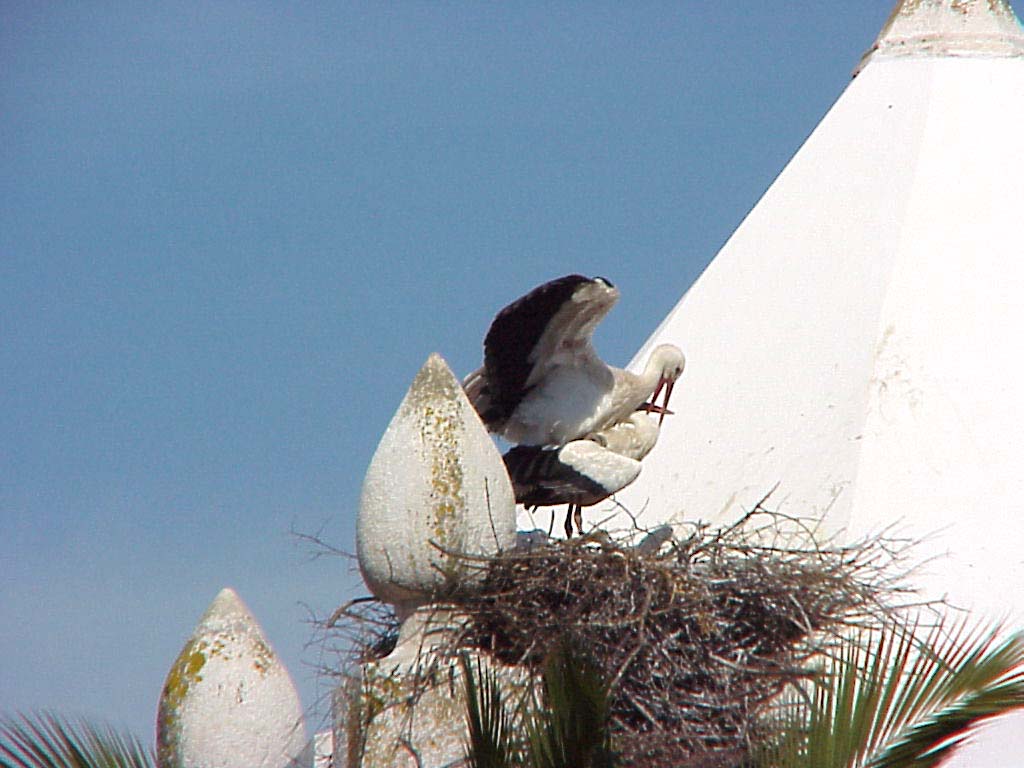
(696, 638)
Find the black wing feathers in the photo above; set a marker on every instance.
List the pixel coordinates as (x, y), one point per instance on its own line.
(540, 479)
(516, 330)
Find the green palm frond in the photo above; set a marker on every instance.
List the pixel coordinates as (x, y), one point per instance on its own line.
(891, 699)
(45, 740)
(572, 730)
(569, 729)
(490, 742)
(990, 683)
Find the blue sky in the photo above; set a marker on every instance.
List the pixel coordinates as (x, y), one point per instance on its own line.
(231, 233)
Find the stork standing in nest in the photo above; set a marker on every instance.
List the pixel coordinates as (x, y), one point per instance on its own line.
(542, 383)
(581, 472)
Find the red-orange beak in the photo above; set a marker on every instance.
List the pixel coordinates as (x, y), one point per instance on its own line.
(653, 408)
(667, 385)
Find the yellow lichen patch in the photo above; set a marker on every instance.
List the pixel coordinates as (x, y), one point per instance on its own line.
(184, 673)
(264, 655)
(446, 483)
(434, 402)
(434, 383)
(217, 647)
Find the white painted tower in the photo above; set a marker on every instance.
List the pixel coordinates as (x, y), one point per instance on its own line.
(859, 338)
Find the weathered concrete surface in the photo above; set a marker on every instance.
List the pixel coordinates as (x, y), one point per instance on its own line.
(436, 485)
(408, 710)
(228, 702)
(948, 28)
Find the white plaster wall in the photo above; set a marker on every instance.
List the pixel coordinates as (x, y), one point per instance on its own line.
(944, 430)
(780, 330)
(858, 340)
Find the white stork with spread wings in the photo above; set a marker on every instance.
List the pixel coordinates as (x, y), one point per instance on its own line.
(542, 383)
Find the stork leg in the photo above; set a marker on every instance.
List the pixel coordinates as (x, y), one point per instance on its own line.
(578, 517)
(568, 522)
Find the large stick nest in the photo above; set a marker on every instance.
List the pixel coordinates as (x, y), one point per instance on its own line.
(695, 637)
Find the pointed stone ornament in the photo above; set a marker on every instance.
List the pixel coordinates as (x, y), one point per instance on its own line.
(228, 701)
(951, 28)
(436, 489)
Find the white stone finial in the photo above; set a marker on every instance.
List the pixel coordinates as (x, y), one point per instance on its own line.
(228, 702)
(435, 489)
(949, 28)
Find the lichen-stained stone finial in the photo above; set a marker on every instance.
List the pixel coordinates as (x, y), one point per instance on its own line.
(436, 488)
(228, 701)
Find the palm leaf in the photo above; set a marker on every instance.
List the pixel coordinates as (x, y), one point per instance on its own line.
(46, 740)
(569, 729)
(890, 699)
(572, 730)
(490, 740)
(988, 684)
